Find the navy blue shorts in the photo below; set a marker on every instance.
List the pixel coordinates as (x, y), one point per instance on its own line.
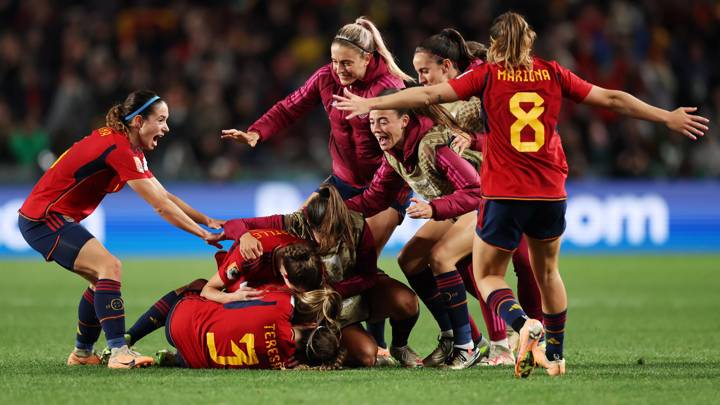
(502, 223)
(57, 238)
(179, 360)
(347, 192)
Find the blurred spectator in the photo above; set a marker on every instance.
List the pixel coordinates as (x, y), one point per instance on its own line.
(221, 64)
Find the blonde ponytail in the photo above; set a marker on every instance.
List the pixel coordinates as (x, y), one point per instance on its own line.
(511, 42)
(322, 306)
(383, 51)
(365, 36)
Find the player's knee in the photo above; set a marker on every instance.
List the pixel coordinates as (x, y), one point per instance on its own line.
(440, 259)
(111, 268)
(406, 304)
(366, 355)
(404, 260)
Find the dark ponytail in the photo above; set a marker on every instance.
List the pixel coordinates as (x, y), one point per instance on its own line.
(327, 214)
(450, 44)
(116, 116)
(303, 266)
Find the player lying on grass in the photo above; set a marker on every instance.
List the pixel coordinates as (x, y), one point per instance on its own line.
(347, 248)
(244, 298)
(99, 164)
(274, 329)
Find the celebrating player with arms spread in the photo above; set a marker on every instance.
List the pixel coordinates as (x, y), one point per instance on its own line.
(524, 169)
(359, 61)
(438, 59)
(73, 187)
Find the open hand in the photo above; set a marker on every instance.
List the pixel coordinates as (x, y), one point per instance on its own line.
(213, 239)
(421, 209)
(251, 138)
(356, 105)
(690, 125)
(245, 293)
(461, 142)
(215, 223)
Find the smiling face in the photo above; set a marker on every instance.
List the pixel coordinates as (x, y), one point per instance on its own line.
(388, 126)
(147, 131)
(431, 72)
(349, 63)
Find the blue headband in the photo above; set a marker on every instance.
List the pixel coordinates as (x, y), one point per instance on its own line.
(141, 109)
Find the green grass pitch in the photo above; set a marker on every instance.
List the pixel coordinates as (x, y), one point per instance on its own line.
(641, 329)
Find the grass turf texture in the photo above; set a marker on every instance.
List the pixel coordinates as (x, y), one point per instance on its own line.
(641, 329)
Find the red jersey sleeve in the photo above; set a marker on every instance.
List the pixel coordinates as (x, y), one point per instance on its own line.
(287, 111)
(470, 83)
(384, 189)
(365, 266)
(235, 228)
(128, 165)
(573, 87)
(465, 180)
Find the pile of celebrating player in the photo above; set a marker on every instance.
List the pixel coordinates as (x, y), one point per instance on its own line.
(478, 145)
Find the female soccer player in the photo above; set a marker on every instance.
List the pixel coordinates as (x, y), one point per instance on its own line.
(273, 330)
(286, 260)
(438, 59)
(416, 153)
(359, 61)
(72, 188)
(248, 334)
(524, 169)
(284, 285)
(347, 248)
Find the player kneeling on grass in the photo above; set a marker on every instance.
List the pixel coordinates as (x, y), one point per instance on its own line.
(417, 153)
(346, 246)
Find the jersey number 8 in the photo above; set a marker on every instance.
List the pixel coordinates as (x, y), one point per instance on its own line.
(525, 118)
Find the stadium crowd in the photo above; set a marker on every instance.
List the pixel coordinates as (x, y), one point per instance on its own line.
(222, 64)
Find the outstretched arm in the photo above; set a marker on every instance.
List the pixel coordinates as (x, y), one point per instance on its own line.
(213, 291)
(408, 98)
(679, 120)
(163, 205)
(284, 113)
(194, 214)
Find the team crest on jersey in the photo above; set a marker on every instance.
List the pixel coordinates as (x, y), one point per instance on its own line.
(105, 131)
(232, 271)
(139, 164)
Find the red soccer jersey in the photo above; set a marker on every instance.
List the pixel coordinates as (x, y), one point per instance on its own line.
(234, 270)
(522, 153)
(76, 183)
(241, 334)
